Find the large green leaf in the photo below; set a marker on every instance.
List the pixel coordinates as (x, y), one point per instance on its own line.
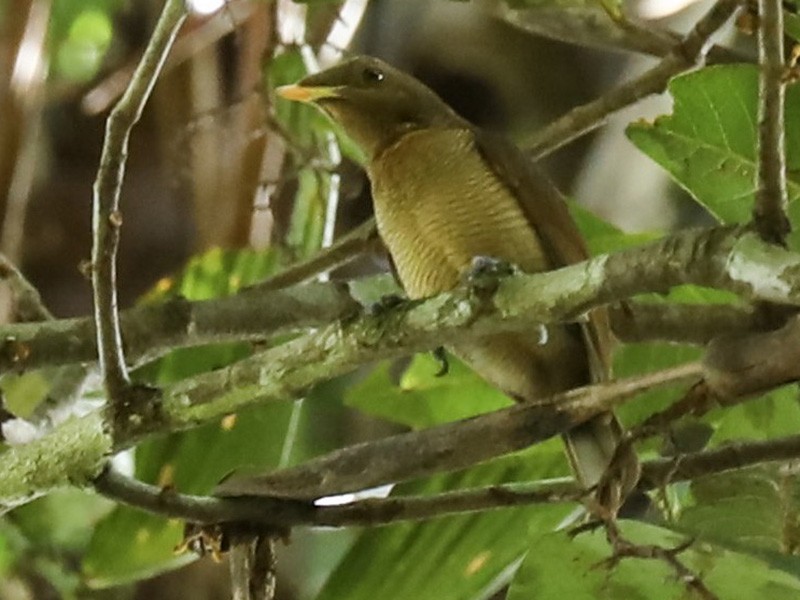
(421, 399)
(560, 567)
(455, 557)
(708, 143)
(753, 510)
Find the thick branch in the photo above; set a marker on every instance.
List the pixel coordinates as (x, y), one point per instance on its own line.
(106, 216)
(152, 330)
(723, 258)
(451, 446)
(254, 315)
(771, 200)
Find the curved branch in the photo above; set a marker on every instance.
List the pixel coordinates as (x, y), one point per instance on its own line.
(106, 216)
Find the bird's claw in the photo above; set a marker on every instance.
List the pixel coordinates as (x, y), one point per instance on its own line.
(440, 356)
(484, 272)
(384, 304)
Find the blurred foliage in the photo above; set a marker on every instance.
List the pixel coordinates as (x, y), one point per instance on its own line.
(81, 34)
(747, 523)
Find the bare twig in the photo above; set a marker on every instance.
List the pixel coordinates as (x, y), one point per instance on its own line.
(624, 548)
(769, 212)
(106, 216)
(592, 27)
(29, 303)
(587, 117)
(662, 471)
(153, 330)
(284, 513)
(362, 239)
(253, 565)
(257, 313)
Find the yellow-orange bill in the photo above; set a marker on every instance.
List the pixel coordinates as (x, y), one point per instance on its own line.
(300, 93)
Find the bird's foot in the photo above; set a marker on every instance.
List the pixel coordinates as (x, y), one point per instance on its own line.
(485, 272)
(385, 304)
(440, 356)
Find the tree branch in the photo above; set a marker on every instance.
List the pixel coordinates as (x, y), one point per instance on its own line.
(106, 216)
(29, 305)
(357, 241)
(680, 323)
(592, 27)
(769, 213)
(153, 330)
(724, 258)
(585, 118)
(284, 513)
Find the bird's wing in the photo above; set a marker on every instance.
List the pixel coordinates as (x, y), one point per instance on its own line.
(548, 215)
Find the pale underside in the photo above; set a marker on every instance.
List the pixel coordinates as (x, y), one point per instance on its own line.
(434, 228)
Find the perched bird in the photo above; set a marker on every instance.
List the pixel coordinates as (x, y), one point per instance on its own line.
(446, 192)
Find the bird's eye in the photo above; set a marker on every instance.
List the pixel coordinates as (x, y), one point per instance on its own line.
(372, 75)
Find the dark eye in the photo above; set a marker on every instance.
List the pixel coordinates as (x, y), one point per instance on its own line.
(372, 75)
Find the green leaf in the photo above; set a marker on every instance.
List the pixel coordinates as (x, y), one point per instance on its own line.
(633, 359)
(421, 399)
(558, 566)
(773, 415)
(454, 557)
(708, 143)
(603, 237)
(791, 24)
(753, 511)
(132, 545)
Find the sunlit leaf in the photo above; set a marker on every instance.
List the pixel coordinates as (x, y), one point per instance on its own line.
(708, 143)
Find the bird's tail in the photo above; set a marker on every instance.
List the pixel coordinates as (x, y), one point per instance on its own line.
(603, 461)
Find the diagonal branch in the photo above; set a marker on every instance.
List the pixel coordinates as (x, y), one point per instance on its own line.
(277, 512)
(585, 118)
(106, 215)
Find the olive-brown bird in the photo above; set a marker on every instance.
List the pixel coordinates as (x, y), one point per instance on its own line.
(446, 192)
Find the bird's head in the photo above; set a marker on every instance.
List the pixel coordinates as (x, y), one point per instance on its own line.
(373, 102)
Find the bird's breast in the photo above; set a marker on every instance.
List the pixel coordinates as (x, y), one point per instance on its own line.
(438, 205)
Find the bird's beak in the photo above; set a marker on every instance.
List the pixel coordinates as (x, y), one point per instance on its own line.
(302, 93)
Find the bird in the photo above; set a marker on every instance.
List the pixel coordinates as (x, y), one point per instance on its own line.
(445, 192)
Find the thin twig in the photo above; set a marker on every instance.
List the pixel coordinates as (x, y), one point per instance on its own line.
(253, 564)
(29, 304)
(285, 513)
(585, 118)
(624, 548)
(769, 212)
(106, 216)
(357, 241)
(590, 26)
